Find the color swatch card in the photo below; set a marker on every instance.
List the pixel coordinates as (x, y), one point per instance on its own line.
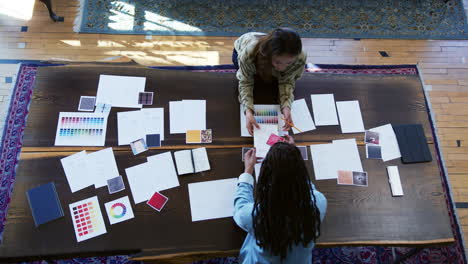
(157, 201)
(198, 136)
(119, 210)
(323, 106)
(81, 129)
(212, 199)
(87, 219)
(301, 117)
(350, 117)
(264, 114)
(261, 138)
(120, 91)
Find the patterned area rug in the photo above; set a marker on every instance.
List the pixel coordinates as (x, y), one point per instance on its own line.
(12, 143)
(389, 19)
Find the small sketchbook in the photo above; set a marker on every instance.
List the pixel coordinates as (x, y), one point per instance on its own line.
(190, 161)
(45, 204)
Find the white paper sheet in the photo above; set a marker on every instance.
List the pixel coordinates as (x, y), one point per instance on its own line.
(81, 129)
(183, 159)
(212, 199)
(195, 114)
(120, 91)
(163, 166)
(261, 137)
(347, 157)
(301, 116)
(257, 168)
(388, 142)
(130, 127)
(142, 181)
(323, 106)
(101, 166)
(176, 117)
(350, 117)
(76, 172)
(200, 159)
(153, 121)
(323, 161)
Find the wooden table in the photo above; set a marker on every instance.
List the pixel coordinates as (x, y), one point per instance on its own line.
(355, 216)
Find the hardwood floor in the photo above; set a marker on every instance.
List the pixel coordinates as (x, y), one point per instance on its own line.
(443, 65)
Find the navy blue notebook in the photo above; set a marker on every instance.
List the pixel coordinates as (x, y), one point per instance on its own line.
(412, 143)
(44, 203)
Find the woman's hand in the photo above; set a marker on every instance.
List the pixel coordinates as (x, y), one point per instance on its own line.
(289, 139)
(287, 118)
(250, 159)
(250, 121)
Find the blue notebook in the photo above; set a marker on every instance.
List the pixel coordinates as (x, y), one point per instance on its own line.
(44, 203)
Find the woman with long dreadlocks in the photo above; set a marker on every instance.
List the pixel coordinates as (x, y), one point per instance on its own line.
(283, 218)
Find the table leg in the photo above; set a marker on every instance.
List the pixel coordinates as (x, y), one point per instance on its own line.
(52, 15)
(408, 254)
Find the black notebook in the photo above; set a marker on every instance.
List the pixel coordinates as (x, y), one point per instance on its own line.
(412, 143)
(44, 203)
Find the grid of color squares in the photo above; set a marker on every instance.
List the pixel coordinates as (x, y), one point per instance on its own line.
(266, 114)
(81, 129)
(87, 219)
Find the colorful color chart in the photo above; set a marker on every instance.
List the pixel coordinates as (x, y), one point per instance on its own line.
(81, 129)
(87, 219)
(266, 114)
(119, 210)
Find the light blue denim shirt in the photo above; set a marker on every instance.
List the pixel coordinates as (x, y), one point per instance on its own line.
(250, 251)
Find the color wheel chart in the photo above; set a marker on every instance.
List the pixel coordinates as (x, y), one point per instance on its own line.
(81, 129)
(119, 210)
(87, 219)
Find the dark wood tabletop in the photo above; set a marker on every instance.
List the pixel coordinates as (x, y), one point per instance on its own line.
(355, 215)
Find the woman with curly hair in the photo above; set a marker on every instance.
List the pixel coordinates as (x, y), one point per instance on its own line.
(283, 217)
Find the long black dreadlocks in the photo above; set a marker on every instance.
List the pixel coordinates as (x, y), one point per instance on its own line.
(284, 214)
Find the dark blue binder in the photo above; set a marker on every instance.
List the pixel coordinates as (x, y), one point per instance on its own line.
(45, 204)
(413, 144)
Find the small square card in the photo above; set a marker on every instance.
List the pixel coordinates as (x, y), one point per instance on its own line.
(119, 210)
(198, 136)
(145, 98)
(87, 103)
(303, 150)
(157, 201)
(371, 137)
(273, 139)
(138, 146)
(345, 177)
(153, 140)
(352, 178)
(244, 150)
(373, 152)
(360, 178)
(115, 184)
(103, 108)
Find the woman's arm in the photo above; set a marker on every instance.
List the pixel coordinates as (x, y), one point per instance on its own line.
(287, 81)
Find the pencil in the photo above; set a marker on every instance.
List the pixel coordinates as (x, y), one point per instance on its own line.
(292, 125)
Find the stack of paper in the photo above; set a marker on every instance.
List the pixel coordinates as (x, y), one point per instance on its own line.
(120, 91)
(323, 106)
(155, 175)
(187, 115)
(134, 125)
(190, 161)
(328, 159)
(261, 137)
(212, 199)
(301, 117)
(83, 170)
